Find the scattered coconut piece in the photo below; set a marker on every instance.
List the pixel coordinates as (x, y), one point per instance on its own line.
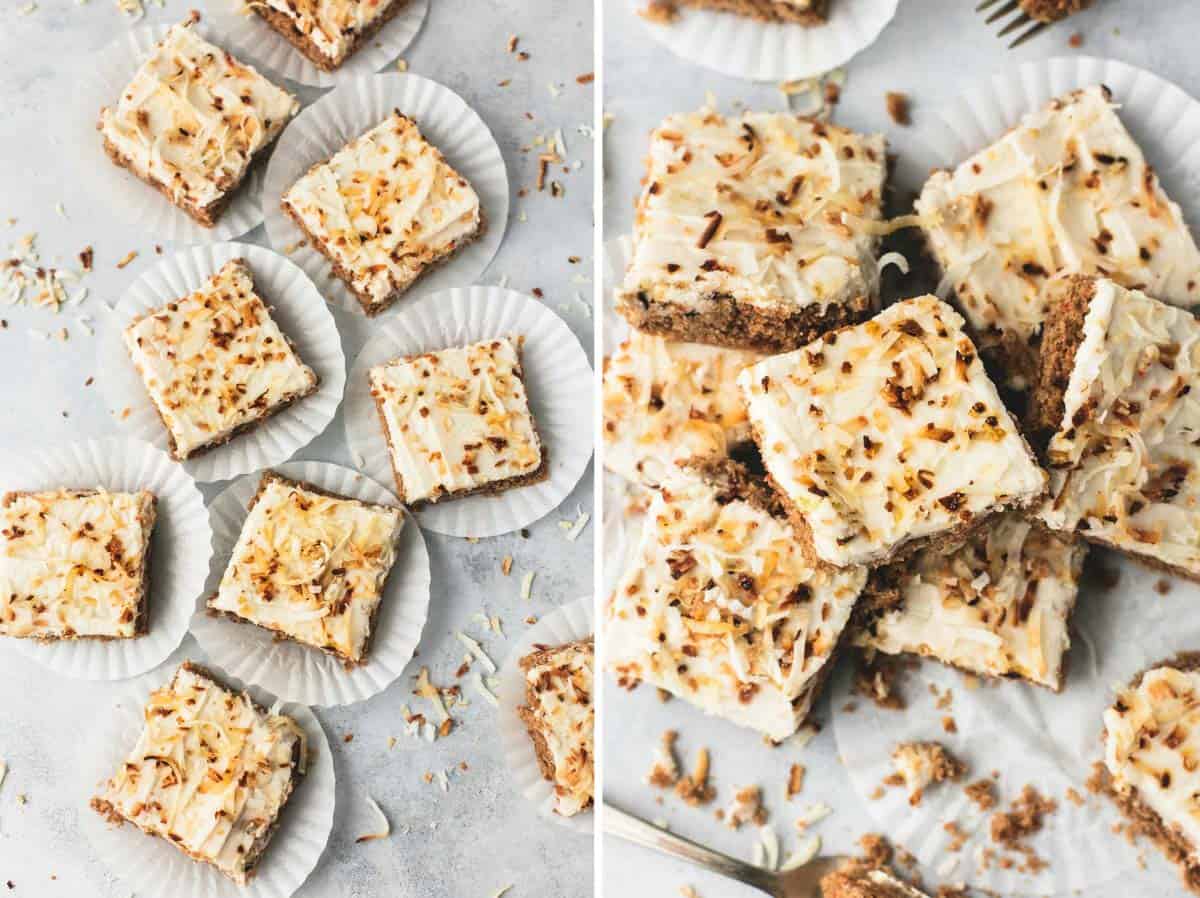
(427, 690)
(482, 687)
(665, 771)
(527, 586)
(477, 650)
(806, 850)
(506, 565)
(770, 843)
(386, 829)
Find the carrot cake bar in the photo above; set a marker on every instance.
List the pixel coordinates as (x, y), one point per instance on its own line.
(210, 773)
(193, 120)
(1118, 370)
(458, 421)
(310, 566)
(665, 401)
(559, 715)
(721, 606)
(215, 363)
(1151, 741)
(997, 606)
(75, 564)
(798, 12)
(888, 436)
(385, 209)
(328, 32)
(864, 883)
(754, 231)
(1067, 189)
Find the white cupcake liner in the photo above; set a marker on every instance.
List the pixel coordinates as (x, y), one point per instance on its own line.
(568, 623)
(181, 544)
(151, 867)
(248, 34)
(769, 51)
(1028, 734)
(295, 305)
(301, 673)
(445, 120)
(1163, 119)
(118, 190)
(558, 379)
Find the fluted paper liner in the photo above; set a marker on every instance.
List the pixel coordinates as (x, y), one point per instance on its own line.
(120, 191)
(771, 51)
(558, 380)
(299, 672)
(568, 623)
(295, 305)
(248, 35)
(153, 868)
(181, 544)
(446, 122)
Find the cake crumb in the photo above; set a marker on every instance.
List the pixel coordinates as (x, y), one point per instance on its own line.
(795, 781)
(746, 807)
(1162, 587)
(949, 725)
(879, 680)
(661, 12)
(1075, 41)
(923, 764)
(982, 793)
(898, 108)
(1025, 818)
(694, 788)
(1073, 796)
(665, 771)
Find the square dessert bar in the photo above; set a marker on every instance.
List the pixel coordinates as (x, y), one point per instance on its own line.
(1151, 741)
(458, 421)
(385, 209)
(1067, 189)
(799, 12)
(210, 773)
(310, 566)
(754, 231)
(215, 363)
(888, 436)
(666, 401)
(1116, 390)
(74, 564)
(999, 605)
(328, 32)
(721, 606)
(193, 120)
(560, 717)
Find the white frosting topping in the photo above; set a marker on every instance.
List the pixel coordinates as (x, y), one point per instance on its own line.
(999, 605)
(215, 360)
(1123, 462)
(1066, 190)
(888, 432)
(71, 563)
(665, 401)
(311, 566)
(331, 25)
(751, 207)
(457, 419)
(209, 773)
(386, 207)
(720, 607)
(193, 118)
(560, 709)
(1152, 744)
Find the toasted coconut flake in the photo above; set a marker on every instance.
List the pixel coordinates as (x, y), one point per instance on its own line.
(425, 689)
(504, 890)
(482, 688)
(575, 527)
(877, 228)
(3, 771)
(770, 843)
(527, 586)
(806, 850)
(506, 565)
(386, 826)
(477, 650)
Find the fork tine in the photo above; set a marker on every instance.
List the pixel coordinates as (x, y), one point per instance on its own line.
(984, 4)
(1016, 23)
(1003, 11)
(1032, 32)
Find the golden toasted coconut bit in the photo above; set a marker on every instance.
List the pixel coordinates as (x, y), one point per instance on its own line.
(662, 12)
(795, 781)
(694, 788)
(129, 257)
(506, 565)
(1073, 796)
(982, 793)
(879, 680)
(923, 764)
(665, 772)
(746, 807)
(898, 108)
(949, 725)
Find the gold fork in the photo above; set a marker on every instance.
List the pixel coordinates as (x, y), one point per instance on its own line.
(1036, 24)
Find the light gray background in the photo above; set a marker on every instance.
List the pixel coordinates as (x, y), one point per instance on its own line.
(933, 50)
(482, 834)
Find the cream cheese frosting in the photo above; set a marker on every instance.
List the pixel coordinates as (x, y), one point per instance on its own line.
(311, 566)
(999, 605)
(193, 118)
(72, 563)
(1123, 461)
(333, 26)
(752, 207)
(385, 208)
(665, 401)
(888, 432)
(210, 773)
(215, 361)
(1151, 745)
(720, 607)
(560, 710)
(457, 420)
(1066, 190)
